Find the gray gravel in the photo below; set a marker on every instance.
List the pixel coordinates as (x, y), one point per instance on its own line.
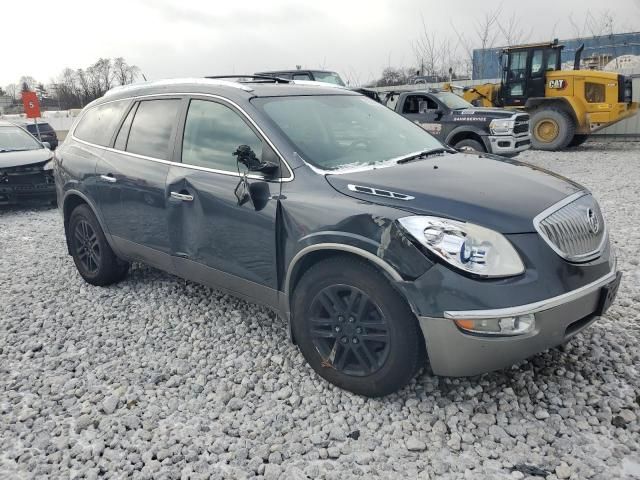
(161, 378)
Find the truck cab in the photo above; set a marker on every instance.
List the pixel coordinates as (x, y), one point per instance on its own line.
(458, 123)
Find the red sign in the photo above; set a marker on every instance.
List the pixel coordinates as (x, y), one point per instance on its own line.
(31, 105)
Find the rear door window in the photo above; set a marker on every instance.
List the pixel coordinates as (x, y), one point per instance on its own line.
(152, 128)
(121, 139)
(98, 124)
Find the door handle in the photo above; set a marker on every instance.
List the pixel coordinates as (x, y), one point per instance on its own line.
(182, 196)
(108, 178)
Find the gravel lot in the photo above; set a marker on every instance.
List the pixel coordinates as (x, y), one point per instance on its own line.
(161, 378)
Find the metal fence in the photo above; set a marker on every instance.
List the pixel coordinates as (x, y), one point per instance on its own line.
(626, 128)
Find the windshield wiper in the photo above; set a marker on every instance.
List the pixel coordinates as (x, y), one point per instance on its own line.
(425, 154)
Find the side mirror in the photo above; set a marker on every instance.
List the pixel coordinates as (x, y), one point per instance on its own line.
(248, 158)
(46, 145)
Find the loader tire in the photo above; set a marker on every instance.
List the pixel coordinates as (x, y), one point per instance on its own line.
(552, 128)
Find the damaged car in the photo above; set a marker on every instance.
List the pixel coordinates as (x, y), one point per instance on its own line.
(25, 167)
(379, 246)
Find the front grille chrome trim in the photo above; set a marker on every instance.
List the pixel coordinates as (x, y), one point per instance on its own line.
(564, 233)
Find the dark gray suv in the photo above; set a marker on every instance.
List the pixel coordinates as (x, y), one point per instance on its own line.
(377, 244)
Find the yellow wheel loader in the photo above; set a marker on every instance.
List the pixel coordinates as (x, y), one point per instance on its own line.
(565, 106)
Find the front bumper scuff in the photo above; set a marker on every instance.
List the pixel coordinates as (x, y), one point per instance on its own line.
(455, 353)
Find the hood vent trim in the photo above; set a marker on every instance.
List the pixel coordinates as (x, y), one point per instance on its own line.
(379, 192)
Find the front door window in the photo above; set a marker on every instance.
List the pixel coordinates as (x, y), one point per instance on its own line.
(517, 73)
(212, 133)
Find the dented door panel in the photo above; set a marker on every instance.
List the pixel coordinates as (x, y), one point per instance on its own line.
(214, 231)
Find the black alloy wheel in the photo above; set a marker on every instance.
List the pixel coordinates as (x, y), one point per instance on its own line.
(95, 260)
(354, 328)
(87, 246)
(349, 330)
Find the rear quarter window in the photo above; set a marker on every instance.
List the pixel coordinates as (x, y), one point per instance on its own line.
(98, 124)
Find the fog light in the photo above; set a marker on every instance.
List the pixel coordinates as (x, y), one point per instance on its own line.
(516, 325)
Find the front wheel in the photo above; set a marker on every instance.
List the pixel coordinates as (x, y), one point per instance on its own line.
(551, 129)
(354, 329)
(470, 146)
(95, 260)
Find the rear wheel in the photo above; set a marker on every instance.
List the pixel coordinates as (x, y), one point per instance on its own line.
(470, 145)
(354, 329)
(578, 140)
(95, 260)
(552, 129)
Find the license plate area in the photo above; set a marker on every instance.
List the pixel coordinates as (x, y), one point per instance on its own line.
(608, 294)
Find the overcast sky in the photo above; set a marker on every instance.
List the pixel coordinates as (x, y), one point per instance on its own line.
(179, 38)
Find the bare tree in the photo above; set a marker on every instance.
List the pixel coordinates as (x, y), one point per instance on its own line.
(124, 73)
(394, 76)
(513, 32)
(27, 82)
(12, 90)
(76, 88)
(485, 34)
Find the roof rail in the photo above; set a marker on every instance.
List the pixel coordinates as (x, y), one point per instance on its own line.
(315, 83)
(266, 78)
(176, 81)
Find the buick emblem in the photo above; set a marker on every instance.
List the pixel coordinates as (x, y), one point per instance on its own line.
(593, 220)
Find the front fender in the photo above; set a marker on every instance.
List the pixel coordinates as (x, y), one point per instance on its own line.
(66, 206)
(386, 247)
(466, 129)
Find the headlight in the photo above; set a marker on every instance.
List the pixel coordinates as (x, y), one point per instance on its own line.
(501, 126)
(466, 246)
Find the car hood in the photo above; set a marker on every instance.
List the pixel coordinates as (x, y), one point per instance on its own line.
(20, 159)
(498, 193)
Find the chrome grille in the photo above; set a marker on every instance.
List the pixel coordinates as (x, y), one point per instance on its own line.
(521, 124)
(574, 228)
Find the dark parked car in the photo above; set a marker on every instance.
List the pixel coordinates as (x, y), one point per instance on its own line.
(324, 76)
(458, 123)
(380, 246)
(25, 167)
(44, 132)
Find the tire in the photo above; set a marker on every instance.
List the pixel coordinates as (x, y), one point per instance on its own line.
(348, 294)
(551, 129)
(470, 145)
(578, 140)
(95, 260)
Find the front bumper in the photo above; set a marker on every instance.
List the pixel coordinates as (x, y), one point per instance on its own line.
(453, 352)
(42, 190)
(508, 144)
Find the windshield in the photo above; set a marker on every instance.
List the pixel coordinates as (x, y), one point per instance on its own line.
(328, 77)
(42, 127)
(344, 131)
(452, 101)
(14, 138)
